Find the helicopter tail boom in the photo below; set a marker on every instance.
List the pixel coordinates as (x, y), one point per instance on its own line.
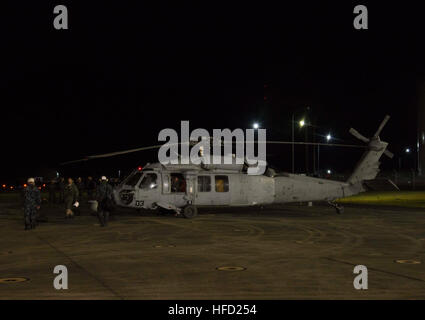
(368, 166)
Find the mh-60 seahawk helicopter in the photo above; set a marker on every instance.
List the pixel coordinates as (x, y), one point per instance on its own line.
(185, 187)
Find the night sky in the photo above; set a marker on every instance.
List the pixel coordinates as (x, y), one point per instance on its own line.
(124, 71)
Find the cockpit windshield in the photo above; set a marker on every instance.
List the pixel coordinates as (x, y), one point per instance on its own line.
(132, 180)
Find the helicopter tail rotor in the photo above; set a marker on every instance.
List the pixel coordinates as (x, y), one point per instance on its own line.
(374, 141)
(368, 166)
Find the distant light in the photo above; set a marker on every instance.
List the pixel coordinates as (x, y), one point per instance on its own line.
(4, 186)
(329, 171)
(407, 150)
(25, 185)
(256, 125)
(302, 123)
(139, 168)
(328, 137)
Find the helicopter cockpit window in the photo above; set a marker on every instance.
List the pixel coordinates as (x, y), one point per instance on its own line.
(178, 182)
(132, 181)
(221, 184)
(149, 181)
(204, 183)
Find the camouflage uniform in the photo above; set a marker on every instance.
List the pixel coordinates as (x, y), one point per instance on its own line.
(70, 195)
(104, 199)
(91, 188)
(52, 192)
(80, 185)
(32, 200)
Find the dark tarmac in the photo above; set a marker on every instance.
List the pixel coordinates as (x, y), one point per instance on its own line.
(286, 252)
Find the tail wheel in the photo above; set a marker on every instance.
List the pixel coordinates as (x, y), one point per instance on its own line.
(190, 211)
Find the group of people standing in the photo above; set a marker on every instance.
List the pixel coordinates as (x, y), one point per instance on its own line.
(70, 194)
(57, 188)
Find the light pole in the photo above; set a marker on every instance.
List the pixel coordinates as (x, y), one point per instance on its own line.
(301, 124)
(328, 138)
(293, 120)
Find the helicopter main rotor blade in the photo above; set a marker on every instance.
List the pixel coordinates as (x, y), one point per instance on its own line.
(112, 154)
(117, 153)
(73, 161)
(317, 144)
(303, 143)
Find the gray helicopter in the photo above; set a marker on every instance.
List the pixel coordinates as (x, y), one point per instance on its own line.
(183, 188)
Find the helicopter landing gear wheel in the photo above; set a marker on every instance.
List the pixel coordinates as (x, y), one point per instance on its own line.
(162, 211)
(190, 211)
(339, 209)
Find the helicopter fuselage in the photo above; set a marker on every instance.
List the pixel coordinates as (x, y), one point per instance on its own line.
(172, 189)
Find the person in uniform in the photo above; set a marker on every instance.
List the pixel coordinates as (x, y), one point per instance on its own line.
(80, 185)
(71, 197)
(91, 188)
(105, 201)
(32, 201)
(52, 191)
(175, 184)
(178, 184)
(61, 188)
(219, 185)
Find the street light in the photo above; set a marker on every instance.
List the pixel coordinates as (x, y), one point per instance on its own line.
(407, 150)
(255, 125)
(329, 171)
(328, 138)
(301, 123)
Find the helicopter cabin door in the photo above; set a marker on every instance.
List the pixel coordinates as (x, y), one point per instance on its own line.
(147, 192)
(212, 190)
(174, 189)
(221, 190)
(204, 195)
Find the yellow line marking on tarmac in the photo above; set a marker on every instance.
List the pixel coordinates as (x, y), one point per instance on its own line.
(231, 268)
(407, 261)
(13, 280)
